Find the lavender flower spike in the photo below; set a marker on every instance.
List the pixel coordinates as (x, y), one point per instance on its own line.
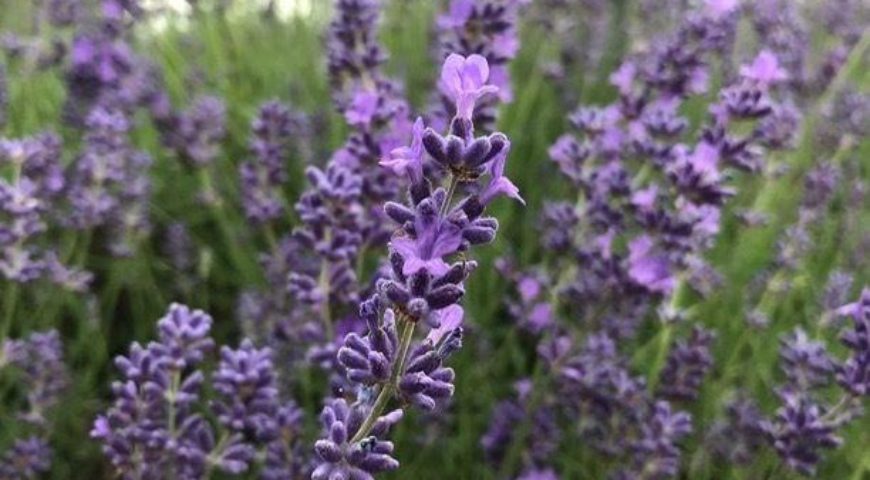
(854, 374)
(421, 288)
(353, 461)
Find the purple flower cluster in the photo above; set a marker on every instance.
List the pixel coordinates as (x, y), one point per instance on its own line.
(109, 184)
(312, 272)
(155, 427)
(104, 70)
(531, 310)
(649, 205)
(806, 423)
(372, 104)
(199, 131)
(27, 203)
(640, 187)
(263, 176)
(423, 287)
(43, 377)
(854, 374)
(686, 367)
(478, 27)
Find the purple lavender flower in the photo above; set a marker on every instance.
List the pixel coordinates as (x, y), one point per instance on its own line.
(558, 220)
(505, 417)
(854, 374)
(425, 380)
(342, 458)
(370, 361)
(62, 13)
(764, 71)
(99, 63)
(656, 454)
(25, 207)
(263, 176)
(353, 49)
(44, 376)
(464, 81)
(421, 287)
(648, 269)
(200, 130)
(98, 174)
(372, 104)
(408, 160)
(22, 214)
(26, 458)
(532, 310)
(151, 427)
(477, 28)
(837, 290)
(799, 431)
(179, 248)
(739, 436)
(687, 364)
(245, 380)
(784, 32)
(39, 159)
(285, 457)
(806, 363)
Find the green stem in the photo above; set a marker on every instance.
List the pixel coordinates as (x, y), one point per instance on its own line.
(210, 193)
(518, 443)
(215, 454)
(665, 338)
(377, 408)
(324, 285)
(451, 190)
(678, 300)
(171, 397)
(406, 334)
(9, 302)
(844, 401)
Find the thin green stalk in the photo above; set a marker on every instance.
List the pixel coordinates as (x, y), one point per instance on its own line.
(325, 309)
(377, 408)
(171, 399)
(451, 190)
(518, 443)
(215, 454)
(10, 300)
(387, 390)
(239, 261)
(666, 335)
(324, 284)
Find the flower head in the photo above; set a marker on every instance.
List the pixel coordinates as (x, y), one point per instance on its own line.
(464, 79)
(764, 70)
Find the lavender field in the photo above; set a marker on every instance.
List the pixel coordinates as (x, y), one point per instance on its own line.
(434, 239)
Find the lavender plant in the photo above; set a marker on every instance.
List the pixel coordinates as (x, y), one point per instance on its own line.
(423, 288)
(43, 377)
(155, 427)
